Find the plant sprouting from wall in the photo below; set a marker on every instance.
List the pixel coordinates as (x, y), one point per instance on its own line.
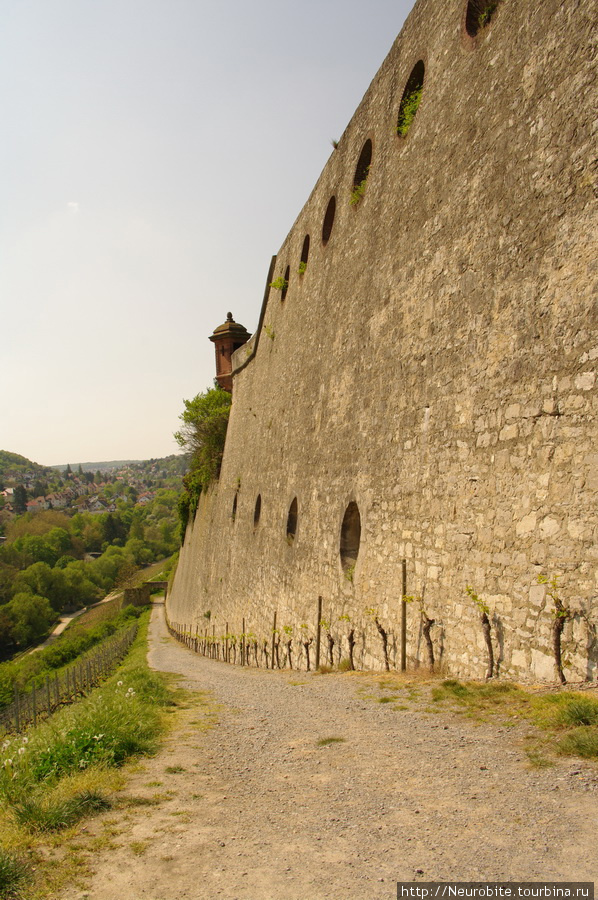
(560, 614)
(279, 284)
(372, 613)
(270, 332)
(350, 572)
(359, 189)
(487, 12)
(484, 611)
(427, 624)
(302, 267)
(408, 109)
(351, 640)
(202, 436)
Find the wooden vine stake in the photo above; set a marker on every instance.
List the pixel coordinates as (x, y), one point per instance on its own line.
(404, 617)
(318, 632)
(560, 615)
(484, 610)
(273, 639)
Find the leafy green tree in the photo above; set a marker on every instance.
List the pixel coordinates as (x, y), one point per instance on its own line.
(43, 580)
(6, 641)
(30, 617)
(139, 552)
(38, 522)
(205, 421)
(79, 590)
(40, 488)
(113, 528)
(60, 541)
(36, 549)
(7, 577)
(92, 534)
(19, 499)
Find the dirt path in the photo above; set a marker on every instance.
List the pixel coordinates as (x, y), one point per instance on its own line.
(254, 809)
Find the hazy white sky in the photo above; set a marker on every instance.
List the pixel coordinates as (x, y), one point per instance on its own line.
(155, 153)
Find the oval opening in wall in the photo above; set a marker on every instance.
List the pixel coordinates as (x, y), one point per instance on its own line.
(257, 511)
(292, 521)
(350, 538)
(328, 220)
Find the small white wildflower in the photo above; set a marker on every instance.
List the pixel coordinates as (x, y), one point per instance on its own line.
(5, 745)
(25, 740)
(21, 750)
(119, 684)
(8, 762)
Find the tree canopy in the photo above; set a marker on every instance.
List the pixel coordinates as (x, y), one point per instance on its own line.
(202, 436)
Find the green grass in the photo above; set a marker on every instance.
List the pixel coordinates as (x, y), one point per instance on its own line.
(582, 741)
(13, 873)
(569, 719)
(38, 812)
(473, 695)
(325, 742)
(67, 768)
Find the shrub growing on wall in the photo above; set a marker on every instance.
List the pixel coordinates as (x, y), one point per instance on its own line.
(202, 436)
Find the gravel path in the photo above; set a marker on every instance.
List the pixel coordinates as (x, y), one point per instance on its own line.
(261, 811)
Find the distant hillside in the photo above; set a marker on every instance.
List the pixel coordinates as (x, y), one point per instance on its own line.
(98, 466)
(15, 466)
(173, 463)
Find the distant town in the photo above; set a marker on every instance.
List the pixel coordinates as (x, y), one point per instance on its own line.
(26, 486)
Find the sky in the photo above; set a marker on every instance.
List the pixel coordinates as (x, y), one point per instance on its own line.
(154, 156)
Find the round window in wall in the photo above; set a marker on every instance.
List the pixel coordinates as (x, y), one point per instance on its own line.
(292, 522)
(257, 511)
(478, 15)
(328, 220)
(350, 538)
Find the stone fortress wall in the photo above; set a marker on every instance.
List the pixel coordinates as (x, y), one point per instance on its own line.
(431, 374)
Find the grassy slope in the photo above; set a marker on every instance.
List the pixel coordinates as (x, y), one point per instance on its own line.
(70, 766)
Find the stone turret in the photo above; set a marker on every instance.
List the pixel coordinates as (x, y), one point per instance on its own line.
(227, 338)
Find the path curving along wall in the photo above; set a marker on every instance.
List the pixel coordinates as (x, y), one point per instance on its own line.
(424, 388)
